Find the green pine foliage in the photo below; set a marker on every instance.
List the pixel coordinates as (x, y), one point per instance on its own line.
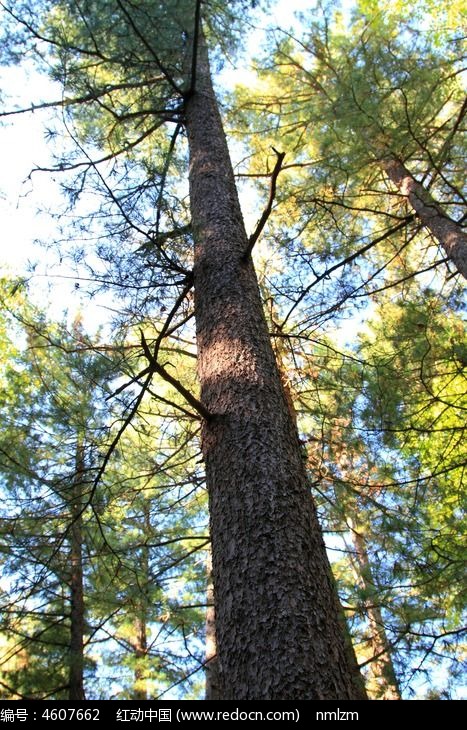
(364, 310)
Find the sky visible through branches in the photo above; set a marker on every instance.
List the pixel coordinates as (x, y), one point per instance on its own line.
(368, 347)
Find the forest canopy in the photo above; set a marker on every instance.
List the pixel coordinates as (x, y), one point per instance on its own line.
(237, 469)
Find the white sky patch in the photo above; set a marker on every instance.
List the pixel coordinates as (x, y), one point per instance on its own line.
(27, 199)
(282, 15)
(22, 147)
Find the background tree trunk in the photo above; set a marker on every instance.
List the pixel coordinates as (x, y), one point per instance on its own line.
(359, 683)
(76, 686)
(450, 235)
(277, 624)
(384, 676)
(140, 642)
(141, 649)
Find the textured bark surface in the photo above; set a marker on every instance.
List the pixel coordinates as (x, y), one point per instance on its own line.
(450, 235)
(277, 625)
(76, 661)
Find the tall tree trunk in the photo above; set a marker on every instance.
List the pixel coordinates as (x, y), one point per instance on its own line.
(277, 623)
(450, 235)
(386, 686)
(76, 656)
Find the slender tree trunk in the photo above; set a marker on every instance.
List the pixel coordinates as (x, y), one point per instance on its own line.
(212, 667)
(140, 643)
(450, 235)
(384, 678)
(141, 651)
(277, 623)
(76, 686)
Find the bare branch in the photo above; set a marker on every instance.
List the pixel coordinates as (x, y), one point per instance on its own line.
(345, 261)
(94, 96)
(160, 370)
(267, 211)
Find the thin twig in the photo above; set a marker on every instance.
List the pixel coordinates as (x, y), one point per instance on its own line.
(150, 48)
(389, 232)
(165, 171)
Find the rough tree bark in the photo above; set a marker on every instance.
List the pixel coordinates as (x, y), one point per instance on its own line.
(277, 623)
(76, 655)
(450, 235)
